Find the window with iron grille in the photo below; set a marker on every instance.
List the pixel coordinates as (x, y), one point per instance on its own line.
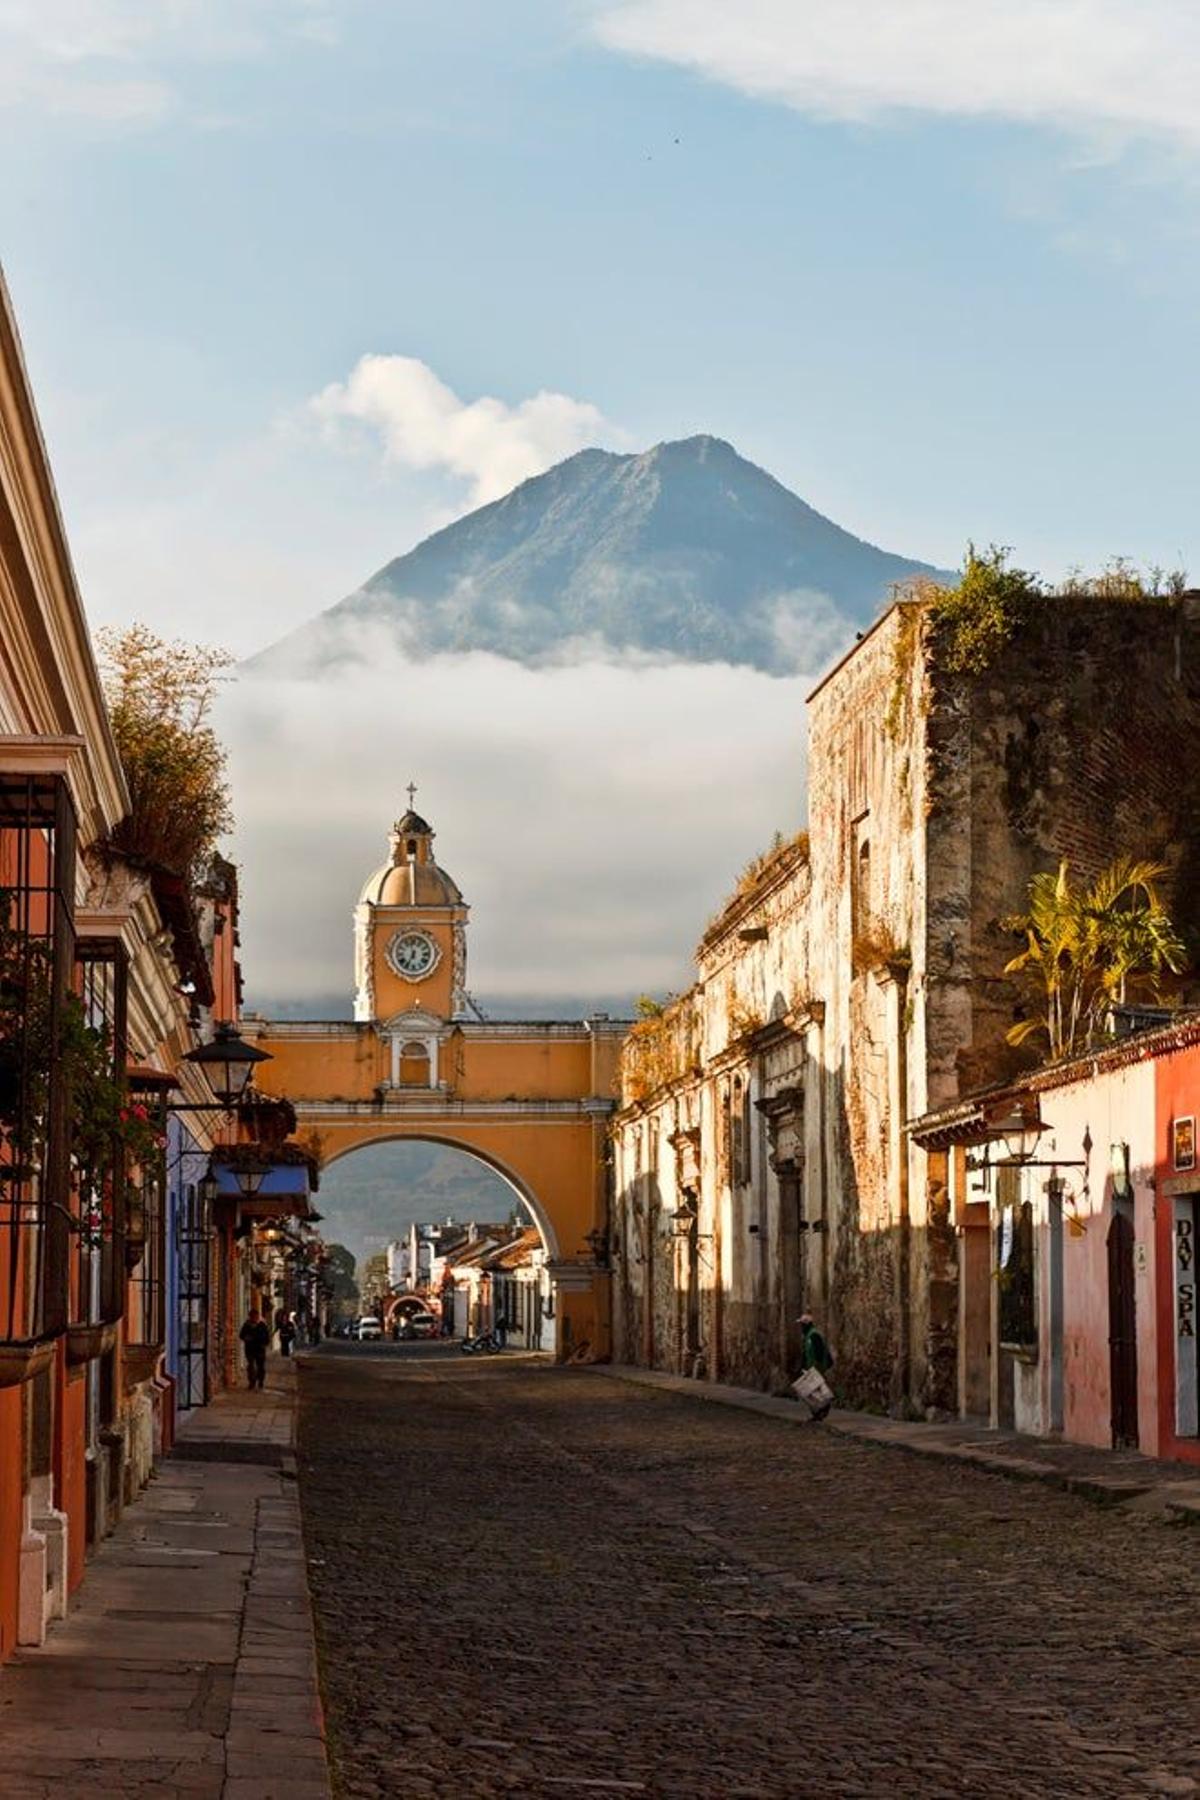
(97, 1146)
(145, 1251)
(37, 879)
(194, 1230)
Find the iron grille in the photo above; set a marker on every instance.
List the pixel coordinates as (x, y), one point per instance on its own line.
(99, 1286)
(145, 1241)
(195, 1264)
(37, 881)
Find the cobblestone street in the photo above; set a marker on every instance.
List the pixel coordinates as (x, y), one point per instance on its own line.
(538, 1582)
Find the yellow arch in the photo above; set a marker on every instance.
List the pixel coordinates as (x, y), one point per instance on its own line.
(529, 1098)
(520, 1187)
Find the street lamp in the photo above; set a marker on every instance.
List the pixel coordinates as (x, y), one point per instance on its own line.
(227, 1063)
(1019, 1134)
(250, 1178)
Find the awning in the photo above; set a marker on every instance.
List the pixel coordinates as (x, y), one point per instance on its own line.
(283, 1182)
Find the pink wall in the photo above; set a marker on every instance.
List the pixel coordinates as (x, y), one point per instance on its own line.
(1114, 1106)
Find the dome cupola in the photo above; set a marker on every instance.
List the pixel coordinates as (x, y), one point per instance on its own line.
(412, 877)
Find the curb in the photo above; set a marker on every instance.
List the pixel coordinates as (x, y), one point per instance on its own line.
(1178, 1498)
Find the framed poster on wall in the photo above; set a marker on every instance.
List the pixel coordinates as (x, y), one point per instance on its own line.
(1183, 1142)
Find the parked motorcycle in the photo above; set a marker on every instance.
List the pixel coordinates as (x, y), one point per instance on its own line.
(485, 1344)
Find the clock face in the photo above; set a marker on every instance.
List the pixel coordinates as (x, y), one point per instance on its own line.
(412, 954)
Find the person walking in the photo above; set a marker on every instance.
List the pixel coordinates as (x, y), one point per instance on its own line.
(255, 1335)
(815, 1355)
(287, 1334)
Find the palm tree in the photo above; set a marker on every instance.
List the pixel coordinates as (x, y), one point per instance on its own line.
(1091, 947)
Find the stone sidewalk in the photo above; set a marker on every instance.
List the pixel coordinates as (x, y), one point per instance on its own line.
(1110, 1477)
(186, 1665)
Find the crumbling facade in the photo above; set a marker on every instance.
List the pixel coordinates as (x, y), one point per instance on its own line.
(858, 981)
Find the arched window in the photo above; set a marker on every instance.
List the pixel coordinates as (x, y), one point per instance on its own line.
(862, 887)
(414, 1065)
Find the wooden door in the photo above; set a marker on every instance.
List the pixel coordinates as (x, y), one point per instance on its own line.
(1122, 1332)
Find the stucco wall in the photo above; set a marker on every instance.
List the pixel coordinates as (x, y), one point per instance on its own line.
(1084, 1121)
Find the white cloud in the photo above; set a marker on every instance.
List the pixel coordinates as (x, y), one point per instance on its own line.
(117, 61)
(423, 424)
(1123, 67)
(594, 816)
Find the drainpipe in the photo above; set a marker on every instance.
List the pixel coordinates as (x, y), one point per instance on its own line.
(900, 968)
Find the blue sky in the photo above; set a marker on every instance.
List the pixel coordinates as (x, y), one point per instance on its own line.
(293, 274)
(933, 320)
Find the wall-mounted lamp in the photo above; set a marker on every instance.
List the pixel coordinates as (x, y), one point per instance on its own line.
(227, 1063)
(685, 1218)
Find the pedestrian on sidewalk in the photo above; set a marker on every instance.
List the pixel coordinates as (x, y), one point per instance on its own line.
(287, 1334)
(255, 1335)
(815, 1357)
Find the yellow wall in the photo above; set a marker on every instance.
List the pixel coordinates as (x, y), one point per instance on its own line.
(351, 1061)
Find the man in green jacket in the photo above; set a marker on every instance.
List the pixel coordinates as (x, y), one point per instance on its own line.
(814, 1353)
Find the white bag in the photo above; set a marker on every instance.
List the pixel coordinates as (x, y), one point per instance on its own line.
(813, 1391)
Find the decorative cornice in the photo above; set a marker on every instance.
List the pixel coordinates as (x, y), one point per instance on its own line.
(400, 1103)
(48, 640)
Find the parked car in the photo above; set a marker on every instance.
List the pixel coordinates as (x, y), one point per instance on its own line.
(422, 1325)
(368, 1330)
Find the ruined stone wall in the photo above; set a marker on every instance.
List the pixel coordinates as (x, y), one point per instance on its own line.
(1080, 742)
(842, 994)
(867, 933)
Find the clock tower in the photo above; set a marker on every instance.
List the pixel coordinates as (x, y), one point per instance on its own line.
(410, 951)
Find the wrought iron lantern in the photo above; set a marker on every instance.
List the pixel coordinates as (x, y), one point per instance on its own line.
(227, 1063)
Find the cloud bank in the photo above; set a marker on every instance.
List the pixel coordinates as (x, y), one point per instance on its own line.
(421, 423)
(116, 62)
(1124, 67)
(593, 816)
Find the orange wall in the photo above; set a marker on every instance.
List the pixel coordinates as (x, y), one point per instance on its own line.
(345, 1067)
(491, 1069)
(337, 1068)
